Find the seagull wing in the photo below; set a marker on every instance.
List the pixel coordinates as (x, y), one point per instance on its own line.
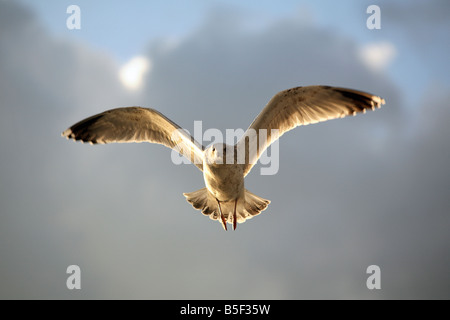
(136, 124)
(301, 106)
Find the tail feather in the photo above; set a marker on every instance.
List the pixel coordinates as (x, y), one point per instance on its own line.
(204, 201)
(254, 204)
(248, 206)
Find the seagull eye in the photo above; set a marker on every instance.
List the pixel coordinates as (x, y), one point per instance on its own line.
(214, 149)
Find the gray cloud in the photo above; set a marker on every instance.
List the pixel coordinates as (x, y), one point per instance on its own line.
(349, 193)
(425, 26)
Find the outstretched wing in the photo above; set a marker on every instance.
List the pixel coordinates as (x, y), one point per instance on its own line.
(136, 124)
(300, 106)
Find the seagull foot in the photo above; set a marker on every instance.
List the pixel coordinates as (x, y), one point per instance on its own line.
(234, 215)
(222, 217)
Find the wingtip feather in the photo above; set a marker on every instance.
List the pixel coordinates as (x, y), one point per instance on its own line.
(66, 133)
(377, 102)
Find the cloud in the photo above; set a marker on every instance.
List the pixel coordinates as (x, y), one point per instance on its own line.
(45, 84)
(424, 27)
(419, 14)
(132, 73)
(349, 193)
(378, 56)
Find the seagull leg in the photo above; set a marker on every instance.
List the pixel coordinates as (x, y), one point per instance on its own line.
(234, 215)
(222, 218)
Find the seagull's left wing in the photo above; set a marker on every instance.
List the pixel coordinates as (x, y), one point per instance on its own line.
(136, 124)
(301, 106)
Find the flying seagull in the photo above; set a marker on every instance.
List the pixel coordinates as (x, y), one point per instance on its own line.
(224, 198)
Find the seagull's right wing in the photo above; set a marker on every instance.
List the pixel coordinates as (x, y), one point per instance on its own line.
(301, 106)
(136, 124)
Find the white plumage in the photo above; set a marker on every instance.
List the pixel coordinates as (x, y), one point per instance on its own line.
(225, 198)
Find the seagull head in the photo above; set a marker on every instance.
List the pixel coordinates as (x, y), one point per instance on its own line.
(217, 153)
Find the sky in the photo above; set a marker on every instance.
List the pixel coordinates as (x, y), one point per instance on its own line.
(349, 193)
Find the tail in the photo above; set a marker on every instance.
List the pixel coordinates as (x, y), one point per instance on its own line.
(248, 205)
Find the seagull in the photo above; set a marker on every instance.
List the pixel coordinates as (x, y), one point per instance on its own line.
(224, 167)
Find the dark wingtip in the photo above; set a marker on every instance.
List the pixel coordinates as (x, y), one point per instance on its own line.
(79, 131)
(362, 100)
